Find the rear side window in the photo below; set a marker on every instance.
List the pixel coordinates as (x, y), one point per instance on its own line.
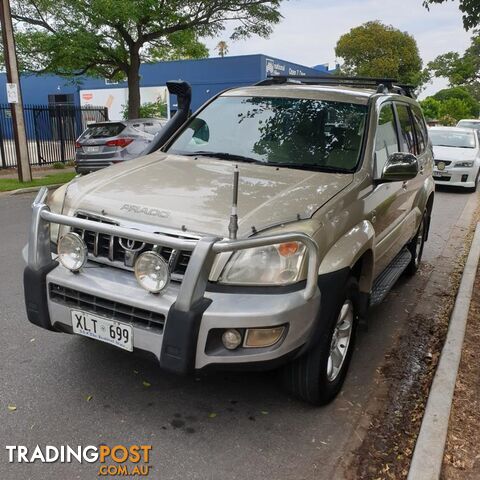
(386, 140)
(420, 129)
(102, 130)
(407, 139)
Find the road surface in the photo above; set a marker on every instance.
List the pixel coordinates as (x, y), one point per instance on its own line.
(217, 426)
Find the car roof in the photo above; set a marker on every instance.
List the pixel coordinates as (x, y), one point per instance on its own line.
(313, 92)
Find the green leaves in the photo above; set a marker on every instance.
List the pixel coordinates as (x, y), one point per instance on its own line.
(469, 8)
(377, 50)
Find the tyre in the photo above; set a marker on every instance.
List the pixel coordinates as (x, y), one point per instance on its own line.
(317, 376)
(416, 247)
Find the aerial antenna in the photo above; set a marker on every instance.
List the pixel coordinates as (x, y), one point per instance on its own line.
(233, 225)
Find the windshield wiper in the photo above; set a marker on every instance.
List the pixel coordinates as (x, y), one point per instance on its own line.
(309, 166)
(224, 156)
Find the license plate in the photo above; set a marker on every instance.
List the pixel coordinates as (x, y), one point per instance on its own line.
(103, 329)
(438, 175)
(91, 149)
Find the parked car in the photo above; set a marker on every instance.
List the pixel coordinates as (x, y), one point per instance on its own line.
(457, 156)
(106, 143)
(470, 123)
(256, 234)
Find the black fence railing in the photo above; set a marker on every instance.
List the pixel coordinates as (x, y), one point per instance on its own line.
(51, 132)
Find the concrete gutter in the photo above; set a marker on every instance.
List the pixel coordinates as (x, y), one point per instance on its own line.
(428, 455)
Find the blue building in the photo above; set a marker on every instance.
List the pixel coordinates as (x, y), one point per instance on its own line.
(207, 77)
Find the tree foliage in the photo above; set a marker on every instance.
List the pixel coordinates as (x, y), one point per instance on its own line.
(470, 9)
(460, 70)
(377, 50)
(450, 105)
(110, 38)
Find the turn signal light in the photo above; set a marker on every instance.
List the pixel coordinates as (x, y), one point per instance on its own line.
(263, 337)
(288, 249)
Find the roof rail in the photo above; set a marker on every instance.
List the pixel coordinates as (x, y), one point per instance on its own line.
(381, 85)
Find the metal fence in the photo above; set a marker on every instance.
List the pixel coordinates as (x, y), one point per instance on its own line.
(51, 132)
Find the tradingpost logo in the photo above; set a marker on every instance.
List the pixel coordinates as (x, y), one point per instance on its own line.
(118, 460)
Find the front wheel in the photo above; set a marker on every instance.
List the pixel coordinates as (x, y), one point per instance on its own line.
(318, 375)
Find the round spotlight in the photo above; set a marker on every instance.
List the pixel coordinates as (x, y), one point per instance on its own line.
(231, 339)
(72, 251)
(152, 272)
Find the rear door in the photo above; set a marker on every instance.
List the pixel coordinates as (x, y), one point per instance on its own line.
(385, 201)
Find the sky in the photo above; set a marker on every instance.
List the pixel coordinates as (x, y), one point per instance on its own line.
(310, 29)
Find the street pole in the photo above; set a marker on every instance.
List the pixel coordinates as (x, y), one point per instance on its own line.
(18, 120)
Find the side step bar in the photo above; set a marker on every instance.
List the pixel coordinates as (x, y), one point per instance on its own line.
(387, 279)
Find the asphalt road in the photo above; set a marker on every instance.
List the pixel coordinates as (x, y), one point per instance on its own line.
(216, 426)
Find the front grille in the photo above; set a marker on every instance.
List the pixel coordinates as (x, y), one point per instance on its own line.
(446, 162)
(105, 308)
(108, 249)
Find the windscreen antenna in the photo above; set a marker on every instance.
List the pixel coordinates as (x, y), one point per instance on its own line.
(233, 225)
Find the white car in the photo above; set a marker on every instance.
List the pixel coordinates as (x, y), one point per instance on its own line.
(470, 123)
(457, 156)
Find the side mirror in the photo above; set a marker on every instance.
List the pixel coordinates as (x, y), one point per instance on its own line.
(400, 167)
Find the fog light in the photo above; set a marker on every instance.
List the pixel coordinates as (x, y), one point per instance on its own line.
(72, 251)
(151, 271)
(263, 337)
(231, 339)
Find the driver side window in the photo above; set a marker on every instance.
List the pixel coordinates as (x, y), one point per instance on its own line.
(386, 139)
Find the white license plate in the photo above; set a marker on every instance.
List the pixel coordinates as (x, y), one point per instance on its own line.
(91, 149)
(103, 329)
(438, 175)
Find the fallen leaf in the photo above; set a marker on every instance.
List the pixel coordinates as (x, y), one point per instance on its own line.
(11, 407)
(146, 384)
(212, 415)
(135, 372)
(32, 339)
(264, 412)
(88, 397)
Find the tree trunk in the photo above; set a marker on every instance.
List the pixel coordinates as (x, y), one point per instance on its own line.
(134, 86)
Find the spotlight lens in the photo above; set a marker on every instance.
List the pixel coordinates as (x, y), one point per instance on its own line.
(152, 272)
(231, 339)
(72, 251)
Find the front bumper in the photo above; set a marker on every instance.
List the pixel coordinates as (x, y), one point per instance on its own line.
(192, 314)
(456, 177)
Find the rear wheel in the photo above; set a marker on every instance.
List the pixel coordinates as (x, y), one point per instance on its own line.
(318, 375)
(416, 247)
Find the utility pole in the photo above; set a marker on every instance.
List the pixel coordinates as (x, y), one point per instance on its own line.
(18, 120)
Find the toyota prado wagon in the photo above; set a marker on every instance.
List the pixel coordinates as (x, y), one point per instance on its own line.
(255, 233)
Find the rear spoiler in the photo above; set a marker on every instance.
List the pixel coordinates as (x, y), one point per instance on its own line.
(183, 91)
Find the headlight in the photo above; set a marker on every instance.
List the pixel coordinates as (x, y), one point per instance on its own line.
(464, 164)
(272, 265)
(72, 251)
(152, 272)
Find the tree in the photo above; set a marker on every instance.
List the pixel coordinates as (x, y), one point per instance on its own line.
(222, 48)
(450, 105)
(470, 9)
(460, 70)
(377, 50)
(110, 38)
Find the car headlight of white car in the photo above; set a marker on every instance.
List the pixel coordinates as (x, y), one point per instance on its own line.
(468, 164)
(279, 264)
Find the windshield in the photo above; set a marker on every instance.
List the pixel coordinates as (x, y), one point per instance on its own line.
(452, 138)
(467, 124)
(302, 133)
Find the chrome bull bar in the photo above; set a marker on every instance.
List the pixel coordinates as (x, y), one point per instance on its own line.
(203, 250)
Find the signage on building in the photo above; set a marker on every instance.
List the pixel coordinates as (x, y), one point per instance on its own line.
(275, 67)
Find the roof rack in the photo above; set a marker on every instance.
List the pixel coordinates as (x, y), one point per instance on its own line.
(381, 85)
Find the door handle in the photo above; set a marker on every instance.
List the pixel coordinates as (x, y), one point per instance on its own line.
(405, 185)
